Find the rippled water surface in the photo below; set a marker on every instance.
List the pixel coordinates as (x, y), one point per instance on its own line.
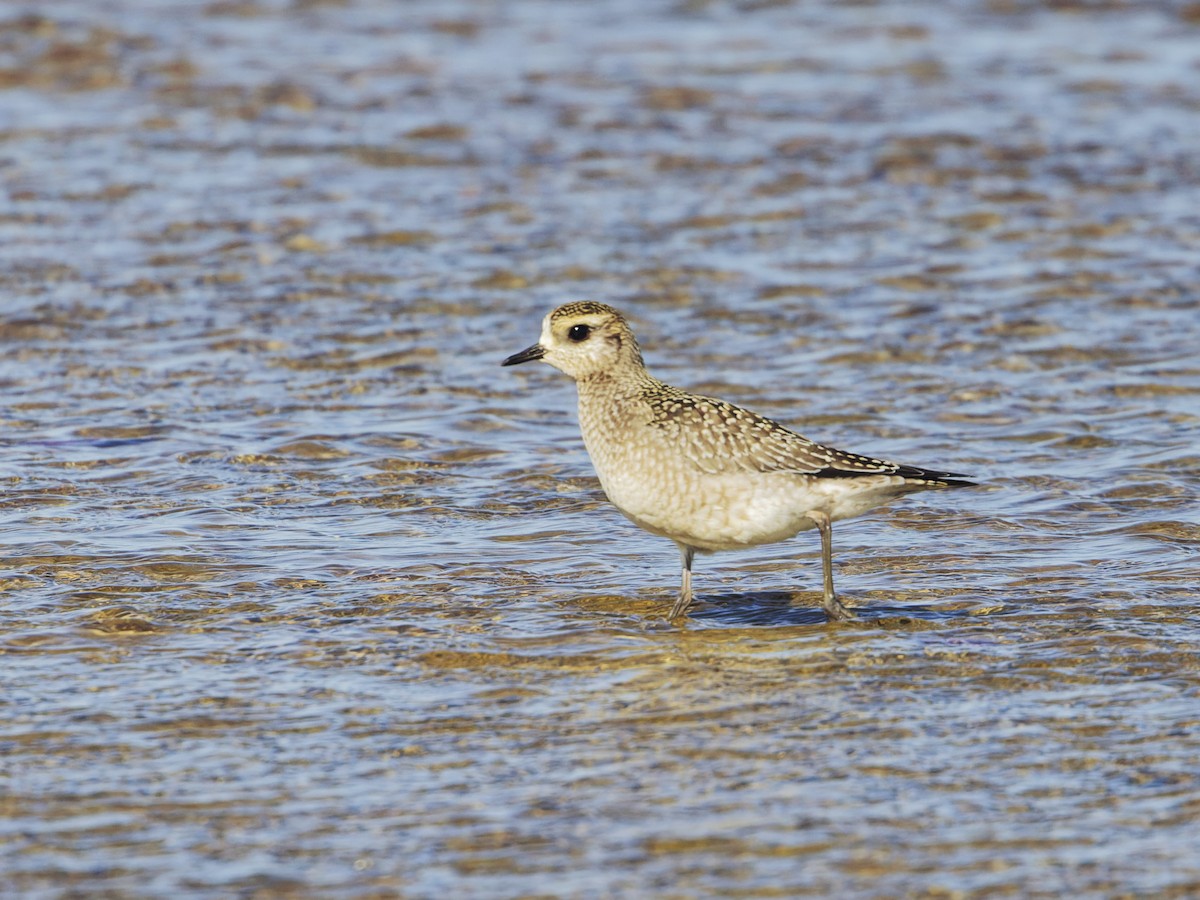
(303, 595)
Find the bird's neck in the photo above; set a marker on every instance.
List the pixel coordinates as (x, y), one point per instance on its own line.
(615, 387)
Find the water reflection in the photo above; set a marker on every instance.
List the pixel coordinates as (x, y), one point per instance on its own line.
(302, 597)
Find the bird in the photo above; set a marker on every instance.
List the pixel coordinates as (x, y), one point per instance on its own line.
(707, 474)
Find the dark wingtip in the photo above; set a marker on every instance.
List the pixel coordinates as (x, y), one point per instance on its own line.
(945, 479)
(956, 482)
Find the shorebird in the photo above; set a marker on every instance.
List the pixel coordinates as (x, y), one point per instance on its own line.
(705, 473)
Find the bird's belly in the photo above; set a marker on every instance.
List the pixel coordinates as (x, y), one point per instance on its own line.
(712, 512)
(736, 509)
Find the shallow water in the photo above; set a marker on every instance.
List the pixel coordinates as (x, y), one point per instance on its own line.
(303, 595)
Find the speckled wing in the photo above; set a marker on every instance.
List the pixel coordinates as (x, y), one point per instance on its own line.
(719, 437)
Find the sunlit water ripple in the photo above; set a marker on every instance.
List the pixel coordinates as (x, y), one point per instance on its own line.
(305, 596)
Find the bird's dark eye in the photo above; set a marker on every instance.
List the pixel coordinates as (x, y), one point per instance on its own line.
(579, 333)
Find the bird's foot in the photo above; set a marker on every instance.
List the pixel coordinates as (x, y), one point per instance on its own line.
(836, 610)
(680, 607)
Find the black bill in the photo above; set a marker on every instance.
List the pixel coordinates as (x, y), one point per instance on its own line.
(537, 351)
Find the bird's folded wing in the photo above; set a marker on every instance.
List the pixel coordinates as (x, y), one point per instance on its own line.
(718, 437)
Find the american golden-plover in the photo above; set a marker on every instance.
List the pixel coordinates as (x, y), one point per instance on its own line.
(705, 473)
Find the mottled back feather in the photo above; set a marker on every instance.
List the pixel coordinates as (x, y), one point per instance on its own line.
(719, 437)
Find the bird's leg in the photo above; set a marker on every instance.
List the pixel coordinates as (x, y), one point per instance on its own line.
(685, 588)
(833, 606)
